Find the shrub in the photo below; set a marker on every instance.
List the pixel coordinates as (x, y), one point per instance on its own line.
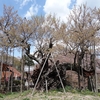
(26, 99)
(1, 96)
(16, 82)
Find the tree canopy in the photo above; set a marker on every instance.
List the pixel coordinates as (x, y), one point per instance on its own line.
(77, 34)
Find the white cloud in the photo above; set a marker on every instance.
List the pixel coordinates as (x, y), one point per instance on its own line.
(33, 10)
(58, 7)
(61, 7)
(90, 3)
(23, 2)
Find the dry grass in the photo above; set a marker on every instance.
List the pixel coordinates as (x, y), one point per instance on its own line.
(53, 95)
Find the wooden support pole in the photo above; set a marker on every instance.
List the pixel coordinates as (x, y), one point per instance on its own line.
(46, 86)
(22, 66)
(95, 68)
(40, 74)
(1, 69)
(59, 76)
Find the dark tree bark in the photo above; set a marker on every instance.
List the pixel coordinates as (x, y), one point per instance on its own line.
(50, 74)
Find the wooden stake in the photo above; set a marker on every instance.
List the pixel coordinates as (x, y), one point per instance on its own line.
(59, 76)
(46, 86)
(40, 74)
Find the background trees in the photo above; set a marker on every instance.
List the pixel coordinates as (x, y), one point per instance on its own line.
(40, 36)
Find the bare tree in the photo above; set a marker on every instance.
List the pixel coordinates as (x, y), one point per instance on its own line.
(81, 30)
(8, 22)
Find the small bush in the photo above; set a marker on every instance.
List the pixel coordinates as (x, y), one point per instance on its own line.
(68, 88)
(26, 99)
(74, 91)
(16, 82)
(87, 92)
(60, 89)
(1, 96)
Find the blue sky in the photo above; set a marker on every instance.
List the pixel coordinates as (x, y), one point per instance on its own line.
(23, 6)
(27, 8)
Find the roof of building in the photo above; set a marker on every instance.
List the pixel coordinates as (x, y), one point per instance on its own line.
(7, 71)
(6, 74)
(16, 72)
